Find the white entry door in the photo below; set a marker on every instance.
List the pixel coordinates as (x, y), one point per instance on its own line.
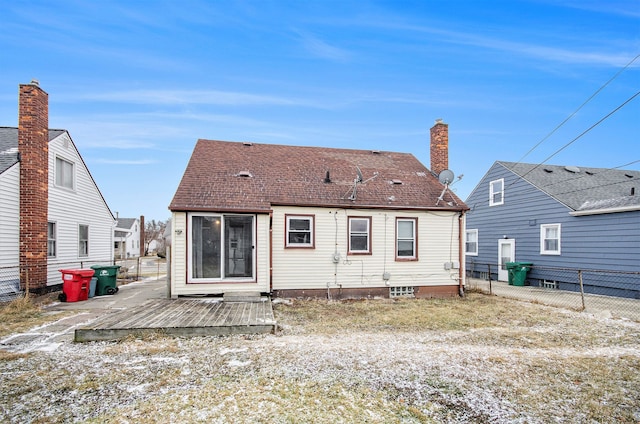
(506, 253)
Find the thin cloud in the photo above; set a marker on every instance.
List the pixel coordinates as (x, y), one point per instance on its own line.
(322, 49)
(125, 161)
(186, 97)
(513, 48)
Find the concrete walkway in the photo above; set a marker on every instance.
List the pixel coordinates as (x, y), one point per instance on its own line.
(49, 336)
(605, 306)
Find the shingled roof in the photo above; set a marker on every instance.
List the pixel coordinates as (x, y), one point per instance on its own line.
(9, 146)
(582, 188)
(253, 177)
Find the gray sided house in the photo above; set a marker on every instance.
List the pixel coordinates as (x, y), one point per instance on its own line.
(296, 221)
(556, 217)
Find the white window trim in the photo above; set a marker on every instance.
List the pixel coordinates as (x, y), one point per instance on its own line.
(492, 193)
(80, 254)
(54, 239)
(475, 231)
(543, 228)
(73, 173)
(368, 232)
(311, 242)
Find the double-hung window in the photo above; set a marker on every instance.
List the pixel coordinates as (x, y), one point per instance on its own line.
(496, 192)
(471, 242)
(550, 239)
(299, 231)
(406, 239)
(222, 248)
(64, 173)
(359, 235)
(51, 239)
(83, 240)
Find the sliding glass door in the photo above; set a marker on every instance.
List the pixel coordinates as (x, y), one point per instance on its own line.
(222, 247)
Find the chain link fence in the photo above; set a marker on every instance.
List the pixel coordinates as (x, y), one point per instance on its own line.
(607, 292)
(131, 269)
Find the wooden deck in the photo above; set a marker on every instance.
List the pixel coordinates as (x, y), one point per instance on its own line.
(183, 317)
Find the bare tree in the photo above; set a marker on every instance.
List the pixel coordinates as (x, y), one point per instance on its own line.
(153, 231)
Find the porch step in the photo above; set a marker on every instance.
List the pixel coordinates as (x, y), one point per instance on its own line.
(254, 297)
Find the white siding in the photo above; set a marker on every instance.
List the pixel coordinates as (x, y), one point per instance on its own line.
(70, 208)
(179, 271)
(315, 268)
(131, 240)
(10, 217)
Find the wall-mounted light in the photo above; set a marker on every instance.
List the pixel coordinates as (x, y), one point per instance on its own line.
(178, 232)
(505, 237)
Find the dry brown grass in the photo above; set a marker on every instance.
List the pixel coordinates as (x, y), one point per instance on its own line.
(453, 314)
(20, 315)
(478, 359)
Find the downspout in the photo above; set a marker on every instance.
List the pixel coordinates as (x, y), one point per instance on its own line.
(460, 254)
(271, 253)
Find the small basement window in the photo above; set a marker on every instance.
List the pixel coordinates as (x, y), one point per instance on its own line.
(401, 291)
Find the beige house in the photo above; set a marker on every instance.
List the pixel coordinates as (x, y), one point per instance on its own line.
(295, 221)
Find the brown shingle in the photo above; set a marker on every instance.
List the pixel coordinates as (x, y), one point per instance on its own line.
(294, 175)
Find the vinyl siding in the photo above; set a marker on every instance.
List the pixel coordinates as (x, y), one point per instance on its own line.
(179, 262)
(304, 268)
(10, 217)
(607, 241)
(70, 208)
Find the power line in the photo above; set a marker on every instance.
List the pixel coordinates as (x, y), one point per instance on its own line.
(578, 109)
(585, 131)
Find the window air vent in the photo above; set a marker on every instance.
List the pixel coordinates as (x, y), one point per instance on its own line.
(375, 152)
(244, 174)
(396, 182)
(628, 175)
(572, 169)
(247, 143)
(548, 171)
(588, 172)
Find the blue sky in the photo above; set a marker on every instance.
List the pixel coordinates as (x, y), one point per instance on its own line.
(136, 83)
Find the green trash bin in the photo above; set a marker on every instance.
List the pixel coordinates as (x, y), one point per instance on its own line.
(107, 276)
(518, 272)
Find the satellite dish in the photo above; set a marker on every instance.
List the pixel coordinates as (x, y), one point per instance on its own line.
(360, 178)
(446, 177)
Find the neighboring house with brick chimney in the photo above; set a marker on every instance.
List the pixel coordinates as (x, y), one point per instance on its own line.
(319, 222)
(52, 214)
(128, 238)
(561, 219)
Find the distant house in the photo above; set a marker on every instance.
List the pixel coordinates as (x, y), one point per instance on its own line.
(555, 217)
(52, 214)
(319, 222)
(127, 238)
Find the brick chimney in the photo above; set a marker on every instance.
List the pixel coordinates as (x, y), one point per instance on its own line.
(33, 146)
(439, 147)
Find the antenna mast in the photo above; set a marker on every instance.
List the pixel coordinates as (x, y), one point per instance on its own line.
(359, 179)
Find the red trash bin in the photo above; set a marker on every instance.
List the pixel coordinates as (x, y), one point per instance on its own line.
(75, 284)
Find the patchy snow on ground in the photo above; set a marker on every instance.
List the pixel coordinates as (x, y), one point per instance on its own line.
(485, 375)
